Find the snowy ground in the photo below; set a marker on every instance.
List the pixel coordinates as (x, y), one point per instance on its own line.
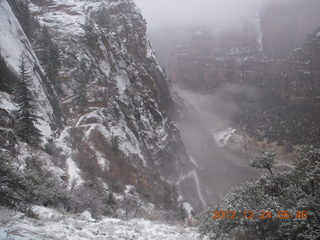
(51, 224)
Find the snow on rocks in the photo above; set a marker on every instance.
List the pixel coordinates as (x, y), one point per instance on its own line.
(150, 52)
(73, 174)
(64, 16)
(12, 36)
(44, 213)
(6, 102)
(129, 148)
(188, 209)
(122, 80)
(86, 216)
(73, 227)
(102, 161)
(223, 137)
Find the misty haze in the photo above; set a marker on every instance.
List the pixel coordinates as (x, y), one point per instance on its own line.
(159, 119)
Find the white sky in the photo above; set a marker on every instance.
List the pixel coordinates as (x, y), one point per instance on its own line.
(163, 12)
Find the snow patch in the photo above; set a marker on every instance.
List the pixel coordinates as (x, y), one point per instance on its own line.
(129, 189)
(127, 147)
(68, 20)
(45, 129)
(86, 216)
(150, 52)
(73, 173)
(105, 67)
(223, 137)
(102, 161)
(3, 234)
(6, 102)
(45, 213)
(122, 80)
(188, 208)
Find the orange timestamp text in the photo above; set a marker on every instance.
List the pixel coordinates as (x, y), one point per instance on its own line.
(262, 215)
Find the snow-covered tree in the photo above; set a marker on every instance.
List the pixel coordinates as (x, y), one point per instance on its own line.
(265, 160)
(289, 201)
(49, 54)
(13, 189)
(26, 117)
(20, 187)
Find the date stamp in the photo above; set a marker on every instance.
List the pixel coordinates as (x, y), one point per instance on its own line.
(262, 215)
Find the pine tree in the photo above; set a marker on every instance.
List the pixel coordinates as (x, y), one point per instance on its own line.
(7, 78)
(43, 40)
(49, 55)
(13, 188)
(22, 12)
(81, 91)
(90, 34)
(26, 118)
(81, 95)
(3, 71)
(115, 144)
(110, 205)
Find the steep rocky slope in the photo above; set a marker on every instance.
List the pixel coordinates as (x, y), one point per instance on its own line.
(118, 136)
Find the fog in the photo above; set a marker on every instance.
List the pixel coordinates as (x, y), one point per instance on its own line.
(215, 113)
(170, 24)
(200, 12)
(197, 38)
(219, 108)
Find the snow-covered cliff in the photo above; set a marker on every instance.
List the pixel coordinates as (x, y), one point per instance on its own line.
(118, 134)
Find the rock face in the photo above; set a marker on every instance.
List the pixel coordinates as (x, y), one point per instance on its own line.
(124, 131)
(14, 44)
(118, 133)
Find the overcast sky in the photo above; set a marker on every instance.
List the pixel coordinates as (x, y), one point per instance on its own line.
(162, 12)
